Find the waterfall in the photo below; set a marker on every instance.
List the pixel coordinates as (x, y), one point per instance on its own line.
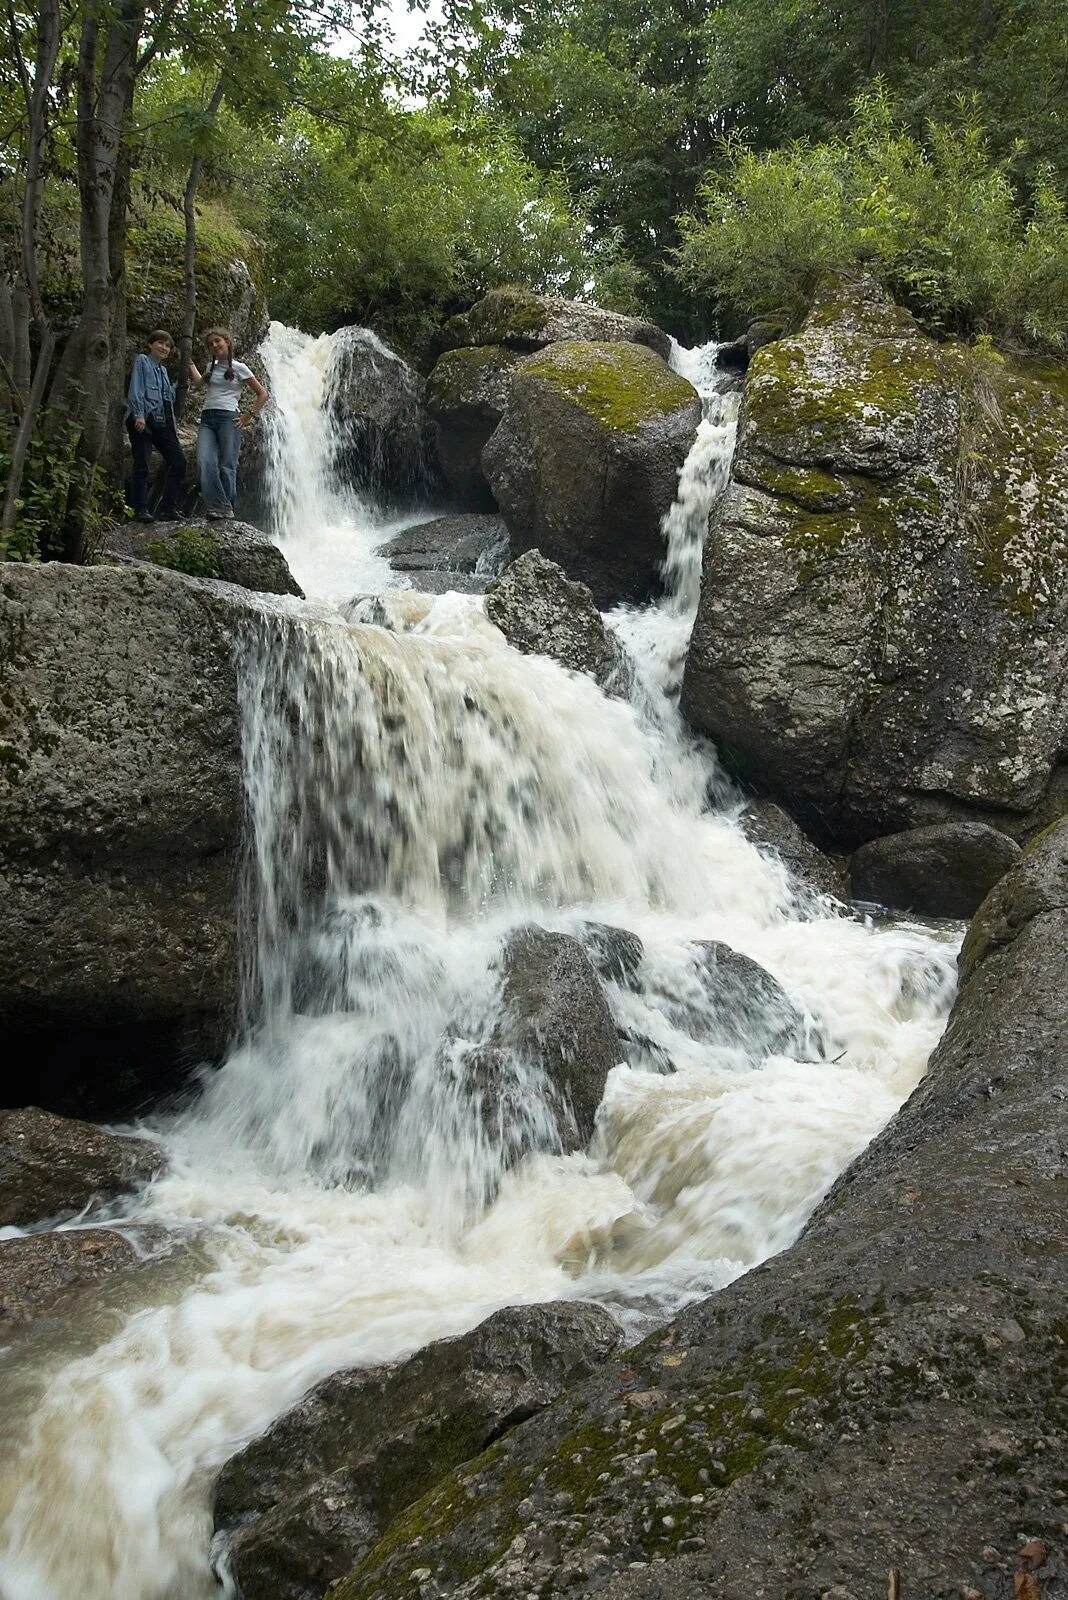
(341, 1192)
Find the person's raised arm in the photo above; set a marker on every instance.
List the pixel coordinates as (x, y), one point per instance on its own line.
(194, 373)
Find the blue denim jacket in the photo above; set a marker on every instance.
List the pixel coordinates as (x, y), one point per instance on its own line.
(151, 389)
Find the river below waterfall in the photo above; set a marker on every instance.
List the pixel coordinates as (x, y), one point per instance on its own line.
(335, 1193)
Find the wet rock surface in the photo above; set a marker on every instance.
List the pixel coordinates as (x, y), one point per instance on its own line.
(541, 611)
(55, 1166)
(42, 1273)
(772, 829)
(586, 461)
(946, 869)
(744, 1007)
(556, 1016)
(243, 554)
(121, 815)
(521, 320)
(882, 639)
(887, 1396)
(316, 1491)
(377, 399)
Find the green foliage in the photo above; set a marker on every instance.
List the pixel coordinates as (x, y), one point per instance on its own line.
(407, 221)
(938, 220)
(194, 551)
(64, 500)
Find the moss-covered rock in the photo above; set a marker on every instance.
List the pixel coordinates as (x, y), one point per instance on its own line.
(882, 636)
(466, 396)
(523, 320)
(586, 461)
(229, 273)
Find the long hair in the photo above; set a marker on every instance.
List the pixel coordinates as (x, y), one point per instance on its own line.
(221, 333)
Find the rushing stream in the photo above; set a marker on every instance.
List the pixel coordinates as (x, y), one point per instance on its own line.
(415, 791)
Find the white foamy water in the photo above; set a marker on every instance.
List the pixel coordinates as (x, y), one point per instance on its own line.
(327, 531)
(347, 1187)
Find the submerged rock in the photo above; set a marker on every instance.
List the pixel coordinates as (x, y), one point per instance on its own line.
(314, 1493)
(235, 551)
(586, 462)
(541, 611)
(743, 1007)
(121, 816)
(466, 396)
(755, 1446)
(54, 1166)
(881, 640)
(943, 870)
(556, 1016)
(615, 952)
(521, 320)
(468, 543)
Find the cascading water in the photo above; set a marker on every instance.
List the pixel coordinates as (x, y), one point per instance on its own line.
(341, 1192)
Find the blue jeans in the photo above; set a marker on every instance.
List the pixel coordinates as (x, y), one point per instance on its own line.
(218, 447)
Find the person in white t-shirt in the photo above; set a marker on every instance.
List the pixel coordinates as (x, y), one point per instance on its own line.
(222, 421)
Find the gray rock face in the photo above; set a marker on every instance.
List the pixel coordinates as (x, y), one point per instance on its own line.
(42, 1273)
(586, 462)
(466, 396)
(521, 320)
(886, 1395)
(556, 1015)
(245, 555)
(882, 638)
(378, 401)
(541, 611)
(468, 543)
(771, 828)
(946, 869)
(323, 1483)
(54, 1166)
(121, 815)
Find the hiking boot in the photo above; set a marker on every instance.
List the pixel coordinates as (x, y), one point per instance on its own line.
(167, 514)
(227, 513)
(144, 516)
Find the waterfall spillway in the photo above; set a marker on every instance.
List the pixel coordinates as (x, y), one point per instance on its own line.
(415, 792)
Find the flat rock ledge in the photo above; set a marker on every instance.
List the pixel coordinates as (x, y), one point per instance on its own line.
(236, 551)
(886, 1397)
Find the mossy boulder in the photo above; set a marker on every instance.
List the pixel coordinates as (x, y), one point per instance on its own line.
(882, 638)
(523, 320)
(466, 396)
(311, 1496)
(586, 461)
(230, 274)
(234, 551)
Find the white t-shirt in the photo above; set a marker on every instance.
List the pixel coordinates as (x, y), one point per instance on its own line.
(224, 393)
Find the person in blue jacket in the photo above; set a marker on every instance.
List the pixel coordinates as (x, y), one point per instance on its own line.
(150, 424)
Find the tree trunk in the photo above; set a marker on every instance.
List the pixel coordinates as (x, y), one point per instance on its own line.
(24, 435)
(189, 207)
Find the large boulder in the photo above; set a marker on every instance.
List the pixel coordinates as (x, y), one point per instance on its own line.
(311, 1496)
(519, 319)
(882, 639)
(54, 1166)
(376, 403)
(541, 611)
(945, 869)
(586, 462)
(885, 1397)
(121, 817)
(466, 396)
(234, 551)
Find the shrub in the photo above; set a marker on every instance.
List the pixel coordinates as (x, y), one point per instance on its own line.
(194, 551)
(939, 221)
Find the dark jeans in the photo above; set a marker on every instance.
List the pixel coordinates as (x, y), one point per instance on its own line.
(158, 434)
(218, 447)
